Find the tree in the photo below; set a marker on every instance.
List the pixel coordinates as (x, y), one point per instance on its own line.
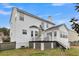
(75, 25)
(40, 30)
(77, 7)
(5, 31)
(74, 21)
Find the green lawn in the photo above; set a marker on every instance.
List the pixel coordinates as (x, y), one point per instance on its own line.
(32, 52)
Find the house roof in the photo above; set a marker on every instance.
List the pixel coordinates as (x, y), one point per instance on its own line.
(29, 14)
(57, 26)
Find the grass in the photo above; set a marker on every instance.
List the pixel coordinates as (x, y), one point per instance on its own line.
(33, 52)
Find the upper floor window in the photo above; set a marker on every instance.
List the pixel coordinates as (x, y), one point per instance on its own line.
(31, 33)
(36, 33)
(21, 17)
(41, 27)
(47, 26)
(24, 31)
(62, 35)
(55, 34)
(42, 24)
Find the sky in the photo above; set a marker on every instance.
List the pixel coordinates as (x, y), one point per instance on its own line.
(60, 12)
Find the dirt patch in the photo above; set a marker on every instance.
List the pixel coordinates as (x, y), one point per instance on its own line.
(75, 47)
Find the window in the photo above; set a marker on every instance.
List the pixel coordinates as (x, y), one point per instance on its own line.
(49, 36)
(55, 34)
(24, 31)
(47, 26)
(36, 33)
(62, 35)
(42, 25)
(21, 17)
(65, 36)
(31, 33)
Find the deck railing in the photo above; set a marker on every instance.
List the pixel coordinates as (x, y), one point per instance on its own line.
(62, 42)
(41, 39)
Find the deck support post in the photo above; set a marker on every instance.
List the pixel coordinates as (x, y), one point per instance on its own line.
(33, 45)
(42, 46)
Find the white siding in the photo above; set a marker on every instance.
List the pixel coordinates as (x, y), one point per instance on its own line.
(63, 41)
(17, 27)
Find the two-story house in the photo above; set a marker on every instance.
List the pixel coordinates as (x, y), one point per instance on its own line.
(25, 27)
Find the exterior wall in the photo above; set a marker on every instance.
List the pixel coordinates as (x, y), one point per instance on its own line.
(63, 41)
(52, 31)
(73, 36)
(17, 26)
(45, 25)
(13, 25)
(1, 40)
(23, 40)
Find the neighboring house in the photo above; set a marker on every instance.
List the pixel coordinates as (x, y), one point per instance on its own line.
(1, 37)
(26, 27)
(73, 36)
(4, 38)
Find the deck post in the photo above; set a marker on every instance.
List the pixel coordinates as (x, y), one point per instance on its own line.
(42, 46)
(34, 45)
(51, 44)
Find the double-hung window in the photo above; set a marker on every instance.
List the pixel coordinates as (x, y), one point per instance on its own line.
(21, 16)
(24, 31)
(55, 34)
(31, 33)
(36, 33)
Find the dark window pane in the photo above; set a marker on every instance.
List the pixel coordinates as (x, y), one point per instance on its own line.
(36, 33)
(61, 35)
(24, 31)
(21, 17)
(55, 34)
(47, 26)
(31, 33)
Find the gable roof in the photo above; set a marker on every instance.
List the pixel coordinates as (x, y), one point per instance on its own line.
(29, 14)
(57, 26)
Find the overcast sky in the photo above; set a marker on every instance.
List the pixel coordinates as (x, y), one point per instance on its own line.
(61, 13)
